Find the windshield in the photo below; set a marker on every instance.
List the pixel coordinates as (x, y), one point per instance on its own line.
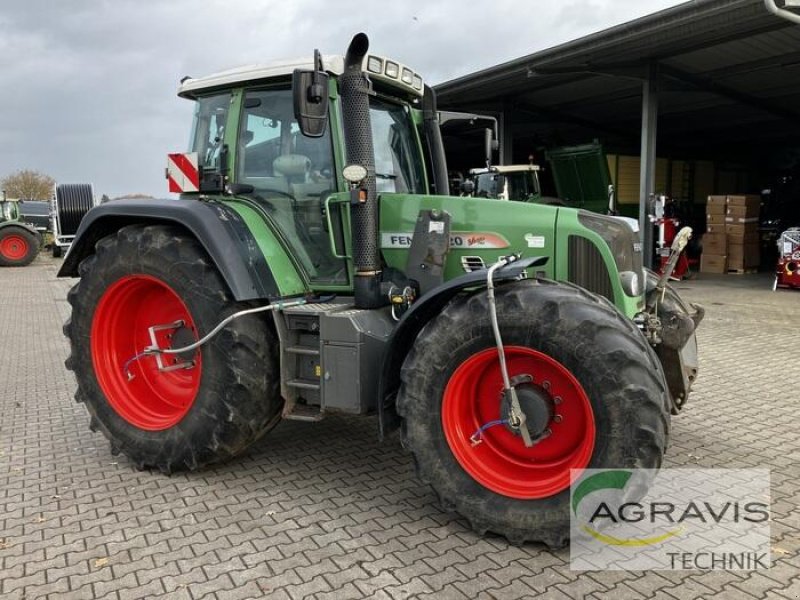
(292, 175)
(10, 211)
(398, 165)
(522, 185)
(208, 129)
(486, 185)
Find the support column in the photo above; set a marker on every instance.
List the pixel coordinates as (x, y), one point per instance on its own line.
(647, 173)
(506, 136)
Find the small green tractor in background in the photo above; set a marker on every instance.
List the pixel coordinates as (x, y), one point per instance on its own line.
(315, 263)
(19, 240)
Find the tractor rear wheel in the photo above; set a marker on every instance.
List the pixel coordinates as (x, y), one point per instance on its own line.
(596, 396)
(18, 247)
(196, 408)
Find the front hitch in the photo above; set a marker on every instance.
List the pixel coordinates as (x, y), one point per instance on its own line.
(670, 327)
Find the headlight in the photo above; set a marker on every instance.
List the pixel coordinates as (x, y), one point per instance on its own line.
(630, 283)
(392, 70)
(374, 65)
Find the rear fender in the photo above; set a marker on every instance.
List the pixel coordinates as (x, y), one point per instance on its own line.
(219, 229)
(423, 310)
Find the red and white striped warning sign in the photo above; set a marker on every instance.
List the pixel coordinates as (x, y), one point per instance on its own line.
(182, 172)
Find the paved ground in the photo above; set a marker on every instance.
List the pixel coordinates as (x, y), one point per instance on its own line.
(325, 511)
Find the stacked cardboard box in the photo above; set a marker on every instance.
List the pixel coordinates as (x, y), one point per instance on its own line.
(731, 241)
(741, 227)
(715, 241)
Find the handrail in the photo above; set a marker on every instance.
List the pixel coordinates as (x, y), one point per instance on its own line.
(782, 12)
(331, 237)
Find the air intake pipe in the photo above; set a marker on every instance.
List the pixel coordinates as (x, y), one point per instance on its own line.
(354, 91)
(433, 136)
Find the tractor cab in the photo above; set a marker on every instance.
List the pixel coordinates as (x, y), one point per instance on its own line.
(507, 182)
(9, 210)
(247, 141)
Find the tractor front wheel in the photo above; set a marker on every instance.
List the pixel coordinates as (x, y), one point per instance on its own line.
(589, 384)
(186, 410)
(18, 247)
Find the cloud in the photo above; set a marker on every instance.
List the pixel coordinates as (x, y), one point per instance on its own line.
(89, 85)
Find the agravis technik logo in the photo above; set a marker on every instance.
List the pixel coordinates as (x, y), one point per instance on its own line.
(672, 519)
(615, 480)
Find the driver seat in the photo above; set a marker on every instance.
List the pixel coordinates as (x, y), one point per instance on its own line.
(294, 167)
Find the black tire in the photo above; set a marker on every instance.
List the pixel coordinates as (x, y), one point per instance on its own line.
(18, 246)
(57, 251)
(604, 351)
(238, 398)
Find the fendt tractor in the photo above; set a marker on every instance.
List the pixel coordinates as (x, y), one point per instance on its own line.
(19, 239)
(315, 263)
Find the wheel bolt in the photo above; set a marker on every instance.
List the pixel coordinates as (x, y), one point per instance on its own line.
(557, 400)
(557, 418)
(546, 385)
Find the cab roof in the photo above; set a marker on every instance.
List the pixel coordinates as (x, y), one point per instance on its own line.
(386, 71)
(191, 86)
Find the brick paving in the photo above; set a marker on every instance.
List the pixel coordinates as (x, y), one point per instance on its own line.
(326, 511)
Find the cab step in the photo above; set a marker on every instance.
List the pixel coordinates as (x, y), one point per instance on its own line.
(303, 384)
(303, 412)
(305, 350)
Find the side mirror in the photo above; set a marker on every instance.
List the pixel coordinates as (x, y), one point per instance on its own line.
(310, 95)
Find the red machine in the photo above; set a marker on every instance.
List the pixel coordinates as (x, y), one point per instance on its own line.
(668, 227)
(787, 273)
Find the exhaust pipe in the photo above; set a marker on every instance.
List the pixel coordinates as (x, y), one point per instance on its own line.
(433, 137)
(354, 91)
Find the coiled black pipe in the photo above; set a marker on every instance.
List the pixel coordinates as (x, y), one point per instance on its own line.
(73, 201)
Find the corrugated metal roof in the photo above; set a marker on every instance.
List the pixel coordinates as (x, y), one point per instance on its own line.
(726, 66)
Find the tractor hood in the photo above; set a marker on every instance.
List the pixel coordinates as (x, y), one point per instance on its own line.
(581, 176)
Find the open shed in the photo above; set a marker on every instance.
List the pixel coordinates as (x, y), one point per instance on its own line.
(699, 99)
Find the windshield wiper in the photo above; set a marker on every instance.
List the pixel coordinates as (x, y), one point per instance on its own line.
(385, 176)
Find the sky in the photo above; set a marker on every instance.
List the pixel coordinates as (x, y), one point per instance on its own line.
(89, 86)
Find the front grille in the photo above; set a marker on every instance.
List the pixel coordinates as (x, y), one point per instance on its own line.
(587, 267)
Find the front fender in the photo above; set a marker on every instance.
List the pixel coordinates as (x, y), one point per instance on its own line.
(422, 311)
(27, 227)
(219, 229)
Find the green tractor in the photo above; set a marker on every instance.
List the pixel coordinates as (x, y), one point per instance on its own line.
(316, 264)
(19, 240)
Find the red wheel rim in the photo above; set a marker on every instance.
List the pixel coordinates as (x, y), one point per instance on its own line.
(501, 462)
(153, 400)
(14, 247)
